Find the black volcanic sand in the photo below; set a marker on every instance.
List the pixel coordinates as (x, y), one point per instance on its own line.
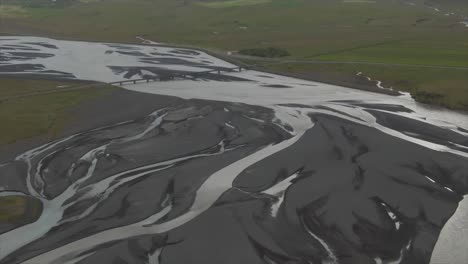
(359, 194)
(26, 210)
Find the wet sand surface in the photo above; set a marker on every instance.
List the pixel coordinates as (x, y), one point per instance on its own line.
(267, 170)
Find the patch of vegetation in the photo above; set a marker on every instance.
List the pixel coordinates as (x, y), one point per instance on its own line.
(428, 97)
(265, 52)
(233, 3)
(11, 87)
(34, 113)
(14, 209)
(451, 93)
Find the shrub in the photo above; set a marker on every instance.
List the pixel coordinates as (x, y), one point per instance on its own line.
(427, 97)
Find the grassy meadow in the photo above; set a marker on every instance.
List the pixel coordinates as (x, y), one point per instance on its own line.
(19, 210)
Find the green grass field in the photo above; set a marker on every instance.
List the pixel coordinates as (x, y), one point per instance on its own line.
(382, 31)
(12, 11)
(14, 209)
(36, 114)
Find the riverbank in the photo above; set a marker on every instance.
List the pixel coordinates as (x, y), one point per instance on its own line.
(96, 107)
